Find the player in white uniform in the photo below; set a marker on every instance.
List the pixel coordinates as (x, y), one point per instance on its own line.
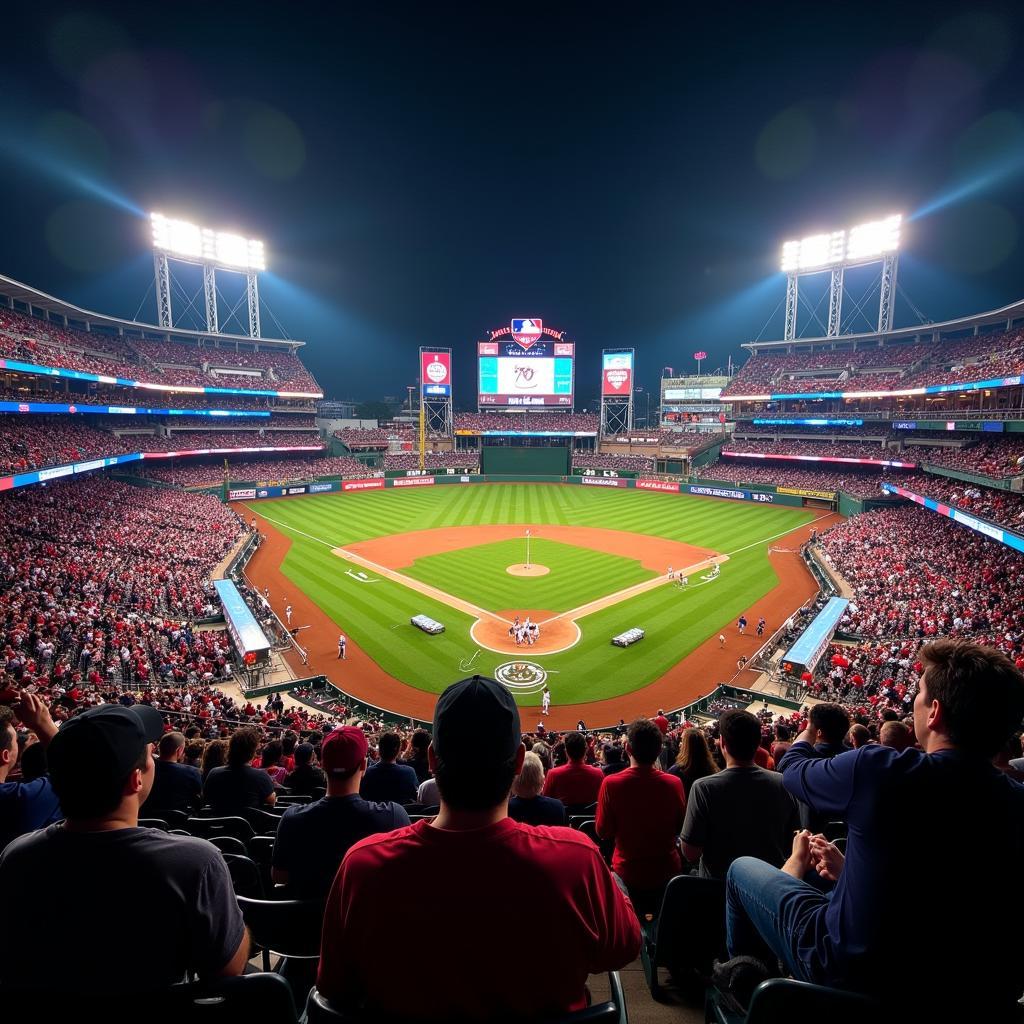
(288, 614)
(546, 702)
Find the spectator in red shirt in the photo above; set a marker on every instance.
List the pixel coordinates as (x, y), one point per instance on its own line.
(576, 784)
(642, 809)
(661, 722)
(471, 871)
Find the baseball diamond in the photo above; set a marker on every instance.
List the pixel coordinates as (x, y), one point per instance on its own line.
(444, 551)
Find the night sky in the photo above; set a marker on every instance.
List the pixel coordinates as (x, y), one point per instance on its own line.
(421, 174)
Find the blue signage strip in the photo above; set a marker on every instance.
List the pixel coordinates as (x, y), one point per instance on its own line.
(736, 493)
(242, 626)
(809, 423)
(958, 515)
(122, 410)
(811, 645)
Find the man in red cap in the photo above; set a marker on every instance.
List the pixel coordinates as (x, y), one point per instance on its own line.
(101, 768)
(313, 838)
(473, 872)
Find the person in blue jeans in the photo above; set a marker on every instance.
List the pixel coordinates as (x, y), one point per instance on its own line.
(919, 915)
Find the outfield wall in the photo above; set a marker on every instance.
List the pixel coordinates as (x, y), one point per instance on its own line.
(763, 496)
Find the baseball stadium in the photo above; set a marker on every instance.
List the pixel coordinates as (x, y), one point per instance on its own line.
(615, 690)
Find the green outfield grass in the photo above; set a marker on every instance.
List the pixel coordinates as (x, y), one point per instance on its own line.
(376, 615)
(578, 575)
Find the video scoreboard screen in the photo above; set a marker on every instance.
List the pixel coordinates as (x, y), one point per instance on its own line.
(513, 375)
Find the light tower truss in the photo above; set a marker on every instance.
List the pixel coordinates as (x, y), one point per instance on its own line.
(184, 242)
(866, 244)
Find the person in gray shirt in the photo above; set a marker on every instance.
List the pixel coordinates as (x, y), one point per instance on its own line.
(743, 811)
(105, 891)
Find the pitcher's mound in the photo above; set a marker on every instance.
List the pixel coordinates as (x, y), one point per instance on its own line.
(522, 569)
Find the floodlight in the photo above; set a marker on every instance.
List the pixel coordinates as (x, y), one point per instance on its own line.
(863, 243)
(813, 252)
(176, 236)
(874, 238)
(218, 248)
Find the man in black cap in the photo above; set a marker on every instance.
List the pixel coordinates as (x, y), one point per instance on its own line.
(471, 871)
(122, 894)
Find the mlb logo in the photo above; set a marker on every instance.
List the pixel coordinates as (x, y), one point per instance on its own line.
(526, 331)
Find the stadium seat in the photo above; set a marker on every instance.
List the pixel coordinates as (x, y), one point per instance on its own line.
(834, 830)
(262, 822)
(174, 819)
(579, 820)
(261, 849)
(320, 792)
(157, 823)
(607, 847)
(610, 1011)
(291, 930)
(207, 828)
(251, 997)
(229, 844)
(288, 928)
(290, 800)
(245, 876)
(688, 933)
(783, 999)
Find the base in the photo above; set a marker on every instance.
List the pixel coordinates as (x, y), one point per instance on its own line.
(522, 569)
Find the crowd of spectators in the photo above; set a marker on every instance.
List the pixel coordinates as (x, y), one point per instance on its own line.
(99, 582)
(1004, 508)
(995, 456)
(625, 463)
(863, 483)
(463, 459)
(262, 470)
(34, 442)
(949, 362)
(575, 421)
(918, 575)
(47, 343)
(821, 449)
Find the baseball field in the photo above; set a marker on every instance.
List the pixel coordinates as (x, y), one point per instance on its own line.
(367, 562)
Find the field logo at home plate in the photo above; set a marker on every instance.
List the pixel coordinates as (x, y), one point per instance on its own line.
(521, 676)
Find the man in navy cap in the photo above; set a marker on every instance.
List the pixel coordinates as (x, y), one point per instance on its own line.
(473, 872)
(98, 884)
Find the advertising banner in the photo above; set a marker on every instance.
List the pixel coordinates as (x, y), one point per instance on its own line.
(322, 488)
(373, 484)
(412, 481)
(803, 492)
(602, 481)
(616, 373)
(728, 492)
(658, 485)
(436, 373)
(242, 494)
(296, 490)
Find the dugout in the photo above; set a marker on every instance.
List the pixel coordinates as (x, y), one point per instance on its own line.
(530, 456)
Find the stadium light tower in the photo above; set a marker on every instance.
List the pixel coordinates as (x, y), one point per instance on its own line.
(874, 242)
(212, 250)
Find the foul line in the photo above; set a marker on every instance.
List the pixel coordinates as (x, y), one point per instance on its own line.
(776, 536)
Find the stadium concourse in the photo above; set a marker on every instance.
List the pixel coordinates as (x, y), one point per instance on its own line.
(107, 603)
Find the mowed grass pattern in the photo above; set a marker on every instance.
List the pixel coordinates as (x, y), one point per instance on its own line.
(376, 615)
(480, 574)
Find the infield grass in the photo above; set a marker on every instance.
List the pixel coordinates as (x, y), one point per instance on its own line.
(376, 615)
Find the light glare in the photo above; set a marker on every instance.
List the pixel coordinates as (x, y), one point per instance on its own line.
(860, 244)
(221, 248)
